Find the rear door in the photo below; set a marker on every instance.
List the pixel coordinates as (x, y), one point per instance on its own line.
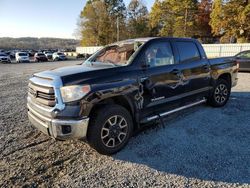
(195, 68)
(162, 80)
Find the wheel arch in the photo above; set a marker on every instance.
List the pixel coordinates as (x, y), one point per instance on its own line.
(120, 100)
(227, 77)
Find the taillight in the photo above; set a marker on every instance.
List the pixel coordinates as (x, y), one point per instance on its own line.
(237, 65)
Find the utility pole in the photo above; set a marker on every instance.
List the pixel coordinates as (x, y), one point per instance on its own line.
(118, 29)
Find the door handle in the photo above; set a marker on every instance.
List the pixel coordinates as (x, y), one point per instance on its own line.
(176, 71)
(206, 67)
(143, 79)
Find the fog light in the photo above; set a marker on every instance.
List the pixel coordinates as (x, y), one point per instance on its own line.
(66, 129)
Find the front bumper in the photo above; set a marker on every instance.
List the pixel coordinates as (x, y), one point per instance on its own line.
(244, 69)
(58, 121)
(42, 59)
(62, 58)
(24, 60)
(5, 60)
(57, 128)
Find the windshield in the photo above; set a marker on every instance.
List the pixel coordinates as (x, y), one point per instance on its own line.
(115, 55)
(60, 54)
(40, 54)
(23, 54)
(3, 54)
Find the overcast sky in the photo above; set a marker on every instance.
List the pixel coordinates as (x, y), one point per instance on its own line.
(42, 18)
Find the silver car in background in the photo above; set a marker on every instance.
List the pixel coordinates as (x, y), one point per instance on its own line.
(4, 58)
(57, 56)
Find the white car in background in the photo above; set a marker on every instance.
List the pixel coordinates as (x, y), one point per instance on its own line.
(57, 56)
(4, 58)
(48, 54)
(22, 57)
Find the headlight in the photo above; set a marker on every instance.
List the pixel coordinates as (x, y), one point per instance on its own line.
(74, 93)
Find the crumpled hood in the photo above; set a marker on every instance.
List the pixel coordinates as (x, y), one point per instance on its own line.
(71, 70)
(77, 74)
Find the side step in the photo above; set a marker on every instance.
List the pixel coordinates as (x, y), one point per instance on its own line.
(148, 119)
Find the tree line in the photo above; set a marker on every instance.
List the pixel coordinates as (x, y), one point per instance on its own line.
(37, 43)
(105, 21)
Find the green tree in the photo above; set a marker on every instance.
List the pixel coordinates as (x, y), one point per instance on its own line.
(99, 20)
(185, 12)
(231, 19)
(245, 23)
(117, 15)
(217, 19)
(174, 18)
(90, 23)
(161, 19)
(137, 19)
(237, 20)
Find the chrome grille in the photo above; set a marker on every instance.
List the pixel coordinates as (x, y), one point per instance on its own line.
(42, 95)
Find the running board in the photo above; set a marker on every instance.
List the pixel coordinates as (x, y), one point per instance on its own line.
(148, 119)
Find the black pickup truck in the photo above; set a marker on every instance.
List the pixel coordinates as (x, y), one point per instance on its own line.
(124, 86)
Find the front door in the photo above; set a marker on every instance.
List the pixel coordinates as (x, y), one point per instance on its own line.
(162, 78)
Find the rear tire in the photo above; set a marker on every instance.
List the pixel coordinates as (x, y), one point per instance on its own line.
(110, 128)
(220, 93)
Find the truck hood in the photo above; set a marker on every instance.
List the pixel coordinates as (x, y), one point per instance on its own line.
(77, 74)
(76, 69)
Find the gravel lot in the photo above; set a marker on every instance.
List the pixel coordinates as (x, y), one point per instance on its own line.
(199, 147)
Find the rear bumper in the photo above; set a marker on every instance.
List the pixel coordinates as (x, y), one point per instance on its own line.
(244, 69)
(62, 58)
(234, 83)
(57, 128)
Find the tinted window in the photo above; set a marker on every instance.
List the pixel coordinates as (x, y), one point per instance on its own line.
(159, 54)
(244, 54)
(188, 51)
(23, 54)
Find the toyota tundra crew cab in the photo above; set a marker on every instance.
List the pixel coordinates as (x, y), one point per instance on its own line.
(124, 86)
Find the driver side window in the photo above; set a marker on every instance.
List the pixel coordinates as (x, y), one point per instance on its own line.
(159, 54)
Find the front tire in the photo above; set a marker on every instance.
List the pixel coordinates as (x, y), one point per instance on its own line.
(220, 94)
(110, 129)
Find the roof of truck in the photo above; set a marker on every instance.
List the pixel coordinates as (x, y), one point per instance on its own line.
(146, 39)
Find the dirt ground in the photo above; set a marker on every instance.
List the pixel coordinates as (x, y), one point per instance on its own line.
(199, 147)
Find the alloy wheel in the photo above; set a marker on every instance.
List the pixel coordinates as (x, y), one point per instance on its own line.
(221, 93)
(114, 131)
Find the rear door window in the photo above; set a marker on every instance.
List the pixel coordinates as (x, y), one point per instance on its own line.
(188, 51)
